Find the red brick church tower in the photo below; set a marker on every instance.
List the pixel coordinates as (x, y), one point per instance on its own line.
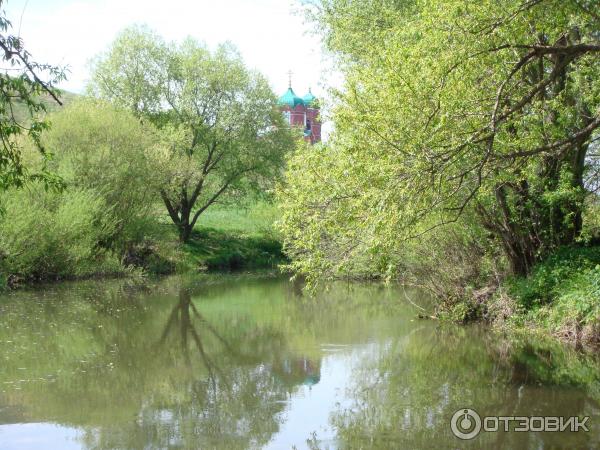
(302, 112)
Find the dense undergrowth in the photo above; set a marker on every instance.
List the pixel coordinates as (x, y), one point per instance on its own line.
(561, 295)
(60, 241)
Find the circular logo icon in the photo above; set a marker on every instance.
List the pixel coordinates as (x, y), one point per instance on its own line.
(465, 424)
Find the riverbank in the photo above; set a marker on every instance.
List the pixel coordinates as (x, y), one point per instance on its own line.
(560, 298)
(228, 239)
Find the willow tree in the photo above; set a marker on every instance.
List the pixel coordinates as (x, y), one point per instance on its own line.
(223, 133)
(451, 108)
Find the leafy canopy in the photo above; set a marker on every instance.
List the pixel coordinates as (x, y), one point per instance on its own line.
(449, 107)
(222, 131)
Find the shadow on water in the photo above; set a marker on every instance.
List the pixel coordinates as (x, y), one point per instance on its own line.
(244, 361)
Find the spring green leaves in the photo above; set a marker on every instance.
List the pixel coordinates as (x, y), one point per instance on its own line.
(222, 131)
(454, 113)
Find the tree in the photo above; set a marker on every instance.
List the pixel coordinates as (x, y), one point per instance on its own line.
(452, 107)
(107, 150)
(218, 119)
(24, 84)
(98, 221)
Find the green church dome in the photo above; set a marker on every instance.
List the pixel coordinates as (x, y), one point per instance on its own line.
(310, 100)
(290, 99)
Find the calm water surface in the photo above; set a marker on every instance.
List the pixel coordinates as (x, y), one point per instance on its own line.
(246, 361)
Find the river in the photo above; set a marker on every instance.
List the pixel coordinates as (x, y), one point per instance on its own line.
(247, 361)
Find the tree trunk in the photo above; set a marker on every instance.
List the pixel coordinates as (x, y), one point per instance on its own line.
(185, 211)
(185, 231)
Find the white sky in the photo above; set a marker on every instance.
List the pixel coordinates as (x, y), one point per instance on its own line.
(271, 37)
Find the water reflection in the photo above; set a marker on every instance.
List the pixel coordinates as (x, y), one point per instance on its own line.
(247, 362)
(403, 396)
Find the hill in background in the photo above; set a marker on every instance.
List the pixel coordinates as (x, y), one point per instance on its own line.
(22, 115)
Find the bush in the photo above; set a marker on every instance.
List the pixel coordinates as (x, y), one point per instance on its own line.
(577, 300)
(562, 295)
(49, 235)
(553, 276)
(106, 150)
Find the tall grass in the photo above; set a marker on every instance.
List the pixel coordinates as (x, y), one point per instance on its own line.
(562, 294)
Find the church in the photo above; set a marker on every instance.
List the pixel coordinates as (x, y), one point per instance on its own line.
(302, 112)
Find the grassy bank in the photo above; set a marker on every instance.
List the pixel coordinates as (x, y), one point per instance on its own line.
(560, 297)
(226, 238)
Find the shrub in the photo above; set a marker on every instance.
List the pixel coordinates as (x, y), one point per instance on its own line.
(578, 299)
(48, 235)
(105, 150)
(562, 295)
(553, 276)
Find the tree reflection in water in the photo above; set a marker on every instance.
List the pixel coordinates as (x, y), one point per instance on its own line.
(228, 394)
(197, 384)
(405, 395)
(222, 361)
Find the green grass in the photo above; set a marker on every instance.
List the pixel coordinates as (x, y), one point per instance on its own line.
(253, 220)
(562, 294)
(557, 275)
(225, 238)
(218, 250)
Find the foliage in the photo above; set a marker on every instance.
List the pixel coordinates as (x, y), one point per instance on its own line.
(222, 131)
(590, 233)
(22, 87)
(551, 276)
(106, 150)
(562, 294)
(40, 243)
(453, 112)
(102, 220)
(49, 235)
(578, 302)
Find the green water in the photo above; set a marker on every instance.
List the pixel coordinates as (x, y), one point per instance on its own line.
(246, 361)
